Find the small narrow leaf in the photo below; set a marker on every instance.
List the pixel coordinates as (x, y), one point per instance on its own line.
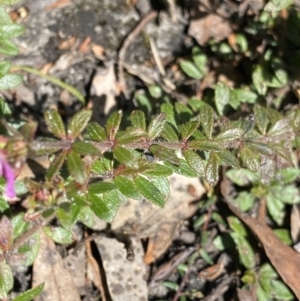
(237, 226)
(261, 118)
(75, 167)
(195, 161)
(78, 123)
(230, 134)
(8, 48)
(6, 280)
(85, 148)
(168, 109)
(113, 124)
(100, 187)
(55, 165)
(156, 126)
(259, 81)
(9, 31)
(205, 145)
(212, 169)
(138, 119)
(157, 170)
(130, 135)
(277, 5)
(96, 132)
(162, 183)
(187, 129)
(242, 176)
(168, 133)
(149, 191)
(183, 169)
(207, 119)
(122, 154)
(164, 154)
(250, 159)
(127, 187)
(190, 69)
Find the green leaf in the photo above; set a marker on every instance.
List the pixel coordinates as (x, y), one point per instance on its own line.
(78, 123)
(3, 204)
(168, 109)
(30, 294)
(205, 145)
(283, 235)
(200, 59)
(76, 167)
(207, 119)
(190, 69)
(261, 118)
(67, 213)
(55, 123)
(100, 187)
(238, 96)
(277, 5)
(250, 159)
(131, 134)
(281, 127)
(8, 48)
(55, 165)
(96, 132)
(87, 216)
(288, 175)
(187, 129)
(164, 154)
(6, 280)
(275, 208)
(106, 206)
(162, 183)
(143, 102)
(242, 176)
(9, 31)
(156, 126)
(29, 255)
(229, 135)
(155, 91)
(245, 250)
(10, 81)
(113, 124)
(19, 225)
(228, 158)
(222, 95)
(123, 155)
(237, 226)
(85, 148)
(168, 133)
(184, 113)
(9, 2)
(4, 16)
(58, 234)
(244, 201)
(127, 187)
(259, 81)
(212, 169)
(158, 170)
(195, 161)
(183, 169)
(281, 291)
(138, 119)
(4, 67)
(149, 191)
(287, 194)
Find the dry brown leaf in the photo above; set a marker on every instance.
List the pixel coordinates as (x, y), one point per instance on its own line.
(103, 93)
(144, 219)
(295, 223)
(58, 4)
(284, 259)
(85, 45)
(211, 26)
(98, 51)
(49, 268)
(126, 280)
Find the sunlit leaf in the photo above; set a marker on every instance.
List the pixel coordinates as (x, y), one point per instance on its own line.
(195, 161)
(8, 48)
(261, 118)
(205, 145)
(96, 132)
(58, 234)
(222, 95)
(229, 135)
(101, 187)
(158, 170)
(131, 134)
(75, 167)
(281, 291)
(237, 226)
(10, 81)
(55, 165)
(277, 5)
(259, 81)
(242, 176)
(284, 235)
(190, 69)
(123, 155)
(127, 187)
(156, 126)
(162, 183)
(30, 294)
(78, 123)
(228, 158)
(212, 169)
(149, 191)
(113, 124)
(168, 109)
(244, 201)
(187, 129)
(207, 119)
(138, 119)
(183, 169)
(250, 159)
(275, 208)
(4, 67)
(6, 280)
(9, 31)
(85, 148)
(168, 133)
(288, 175)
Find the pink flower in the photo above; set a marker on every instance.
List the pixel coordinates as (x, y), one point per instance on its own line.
(8, 174)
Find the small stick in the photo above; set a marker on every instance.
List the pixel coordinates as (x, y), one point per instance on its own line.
(129, 39)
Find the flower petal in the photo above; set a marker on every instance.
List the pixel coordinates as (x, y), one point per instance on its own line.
(9, 175)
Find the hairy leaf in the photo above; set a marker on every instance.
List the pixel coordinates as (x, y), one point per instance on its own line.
(75, 167)
(138, 119)
(96, 132)
(127, 187)
(78, 123)
(195, 161)
(212, 169)
(187, 129)
(156, 126)
(207, 119)
(164, 153)
(113, 124)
